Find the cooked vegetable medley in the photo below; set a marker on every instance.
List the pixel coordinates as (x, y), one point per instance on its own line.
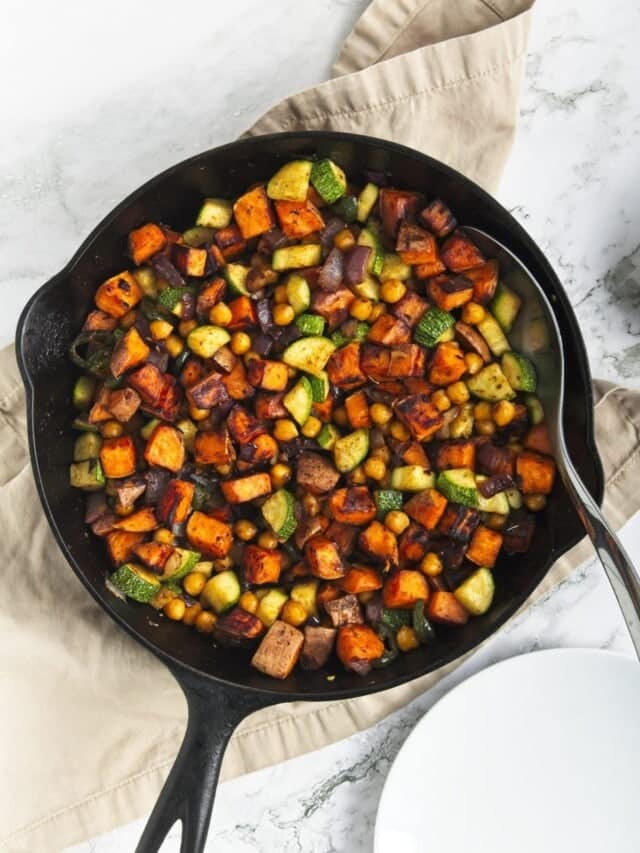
(301, 425)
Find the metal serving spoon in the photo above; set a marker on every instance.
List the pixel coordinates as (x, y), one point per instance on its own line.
(536, 335)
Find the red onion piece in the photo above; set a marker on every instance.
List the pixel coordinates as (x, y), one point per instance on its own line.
(330, 277)
(355, 267)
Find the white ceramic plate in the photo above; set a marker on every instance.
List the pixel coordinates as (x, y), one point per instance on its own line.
(537, 754)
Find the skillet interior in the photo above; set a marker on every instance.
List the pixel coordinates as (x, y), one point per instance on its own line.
(55, 314)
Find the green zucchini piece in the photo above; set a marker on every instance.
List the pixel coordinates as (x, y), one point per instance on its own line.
(215, 213)
(278, 512)
(148, 428)
(83, 392)
(534, 408)
(236, 277)
(198, 236)
(83, 425)
(329, 181)
(298, 293)
(309, 354)
(319, 387)
(520, 372)
(366, 202)
(387, 500)
(505, 306)
(498, 503)
(310, 324)
(476, 593)
(490, 384)
(298, 401)
(305, 594)
(369, 238)
(350, 450)
(395, 619)
(327, 437)
(179, 564)
(412, 478)
(205, 341)
(297, 257)
(136, 582)
(146, 278)
(432, 325)
(514, 497)
(270, 606)
(87, 446)
(222, 591)
(87, 475)
(393, 267)
(189, 431)
(458, 485)
(346, 208)
(490, 330)
(291, 182)
(369, 288)
(421, 625)
(170, 297)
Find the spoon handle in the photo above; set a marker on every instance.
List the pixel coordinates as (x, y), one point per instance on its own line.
(622, 574)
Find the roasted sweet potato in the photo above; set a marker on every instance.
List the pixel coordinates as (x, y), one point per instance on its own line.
(317, 648)
(404, 588)
(262, 565)
(230, 241)
(447, 364)
(213, 447)
(460, 253)
(357, 407)
(142, 521)
(419, 414)
(161, 394)
(357, 646)
(429, 270)
(123, 403)
(121, 545)
(253, 213)
(413, 543)
(459, 522)
(243, 426)
(243, 313)
(153, 554)
(395, 206)
(438, 218)
(410, 308)
(268, 375)
(98, 321)
(416, 385)
(308, 527)
(456, 454)
(129, 352)
(427, 508)
(100, 410)
(165, 448)
(316, 474)
(535, 472)
(236, 383)
(344, 611)
(382, 364)
(413, 453)
(344, 367)
(444, 607)
(324, 410)
(379, 543)
(261, 450)
(269, 406)
(352, 506)
(484, 547)
(334, 307)
(145, 242)
(175, 504)
(279, 650)
(238, 627)
(298, 218)
(118, 457)
(209, 392)
(361, 579)
(448, 292)
(210, 295)
(326, 593)
(209, 535)
(246, 488)
(118, 294)
(389, 330)
(323, 558)
(538, 439)
(415, 245)
(485, 280)
(189, 261)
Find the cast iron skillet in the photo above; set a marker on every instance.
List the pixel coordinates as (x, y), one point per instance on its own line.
(220, 686)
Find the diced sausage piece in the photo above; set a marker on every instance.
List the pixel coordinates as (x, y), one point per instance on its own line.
(246, 488)
(344, 368)
(268, 375)
(379, 543)
(165, 448)
(323, 558)
(142, 521)
(118, 457)
(352, 506)
(333, 306)
(419, 414)
(344, 611)
(209, 535)
(210, 295)
(361, 579)
(118, 294)
(213, 447)
(472, 341)
(123, 404)
(153, 554)
(447, 364)
(459, 522)
(121, 545)
(298, 218)
(253, 213)
(316, 474)
(243, 426)
(404, 588)
(485, 280)
(484, 547)
(456, 454)
(317, 648)
(357, 646)
(262, 565)
(128, 491)
(175, 504)
(410, 308)
(415, 245)
(536, 473)
(279, 650)
(438, 218)
(395, 206)
(444, 607)
(427, 508)
(449, 293)
(238, 627)
(208, 392)
(460, 253)
(389, 331)
(145, 242)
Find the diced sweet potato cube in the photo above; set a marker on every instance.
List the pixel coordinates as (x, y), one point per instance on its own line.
(449, 293)
(153, 554)
(209, 535)
(447, 364)
(327, 592)
(236, 383)
(379, 543)
(389, 330)
(269, 406)
(279, 650)
(121, 545)
(262, 565)
(246, 488)
(145, 242)
(404, 588)
(427, 508)
(344, 367)
(98, 321)
(414, 543)
(323, 558)
(429, 270)
(209, 392)
(357, 407)
(357, 646)
(444, 607)
(213, 447)
(344, 611)
(129, 352)
(253, 213)
(189, 260)
(210, 295)
(352, 506)
(414, 385)
(456, 454)
(243, 426)
(535, 472)
(420, 415)
(415, 245)
(299, 218)
(410, 308)
(538, 439)
(100, 410)
(324, 410)
(118, 294)
(230, 241)
(165, 447)
(238, 627)
(118, 457)
(142, 521)
(334, 307)
(484, 547)
(413, 453)
(161, 394)
(261, 450)
(459, 522)
(243, 313)
(361, 579)
(316, 474)
(438, 218)
(268, 375)
(485, 280)
(124, 403)
(382, 364)
(460, 253)
(317, 648)
(395, 206)
(175, 504)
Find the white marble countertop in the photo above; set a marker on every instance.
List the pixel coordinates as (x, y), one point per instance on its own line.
(97, 103)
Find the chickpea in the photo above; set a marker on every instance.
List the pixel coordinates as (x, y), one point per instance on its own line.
(377, 311)
(375, 468)
(280, 295)
(340, 417)
(268, 539)
(193, 584)
(431, 564)
(399, 431)
(198, 414)
(310, 504)
(380, 414)
(223, 470)
(223, 564)
(441, 400)
(406, 639)
(482, 411)
(361, 309)
(458, 393)
(496, 521)
(185, 327)
(311, 427)
(344, 240)
(240, 343)
(472, 313)
(206, 621)
(174, 345)
(191, 613)
(293, 613)
(249, 601)
(283, 315)
(174, 609)
(485, 427)
(111, 429)
(358, 476)
(220, 315)
(503, 413)
(280, 474)
(397, 521)
(535, 503)
(245, 529)
(285, 430)
(474, 363)
(164, 536)
(160, 329)
(127, 321)
(392, 290)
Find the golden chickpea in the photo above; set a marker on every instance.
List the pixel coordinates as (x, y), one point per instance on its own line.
(431, 564)
(174, 609)
(206, 621)
(164, 536)
(377, 311)
(358, 476)
(285, 430)
(406, 639)
(485, 427)
(240, 343)
(344, 240)
(392, 290)
(458, 393)
(283, 315)
(375, 468)
(245, 529)
(361, 309)
(473, 362)
(535, 503)
(503, 413)
(397, 521)
(293, 613)
(127, 321)
(249, 601)
(310, 504)
(380, 414)
(198, 414)
(340, 417)
(268, 539)
(220, 315)
(280, 474)
(223, 564)
(174, 345)
(160, 329)
(473, 313)
(191, 613)
(482, 411)
(496, 521)
(311, 427)
(193, 584)
(223, 470)
(441, 400)
(111, 429)
(280, 295)
(399, 431)
(185, 327)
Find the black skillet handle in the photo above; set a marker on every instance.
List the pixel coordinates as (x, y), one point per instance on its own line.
(215, 710)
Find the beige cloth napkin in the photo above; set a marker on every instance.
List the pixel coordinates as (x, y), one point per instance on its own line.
(83, 747)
